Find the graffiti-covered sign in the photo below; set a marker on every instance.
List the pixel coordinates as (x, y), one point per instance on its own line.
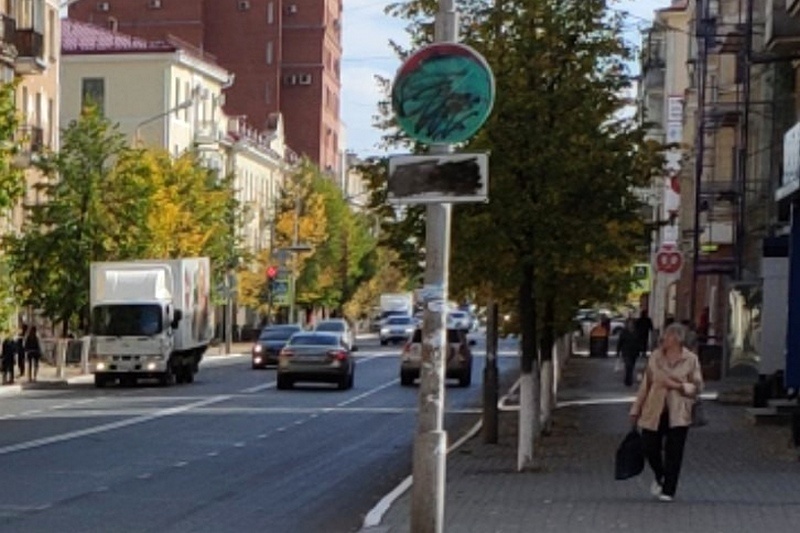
(443, 93)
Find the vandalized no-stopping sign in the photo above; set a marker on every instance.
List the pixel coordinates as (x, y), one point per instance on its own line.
(443, 93)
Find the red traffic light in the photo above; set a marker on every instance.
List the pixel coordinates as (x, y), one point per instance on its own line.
(272, 271)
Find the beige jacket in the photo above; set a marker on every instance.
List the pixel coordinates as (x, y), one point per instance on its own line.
(653, 396)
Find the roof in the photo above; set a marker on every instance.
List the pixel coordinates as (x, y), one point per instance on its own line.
(80, 38)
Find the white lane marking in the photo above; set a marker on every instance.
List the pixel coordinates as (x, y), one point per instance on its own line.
(61, 406)
(212, 454)
(180, 464)
(44, 507)
(86, 400)
(239, 445)
(281, 429)
(37, 443)
(146, 475)
(258, 388)
(364, 394)
(375, 515)
(298, 422)
(33, 412)
(7, 417)
(262, 436)
(101, 489)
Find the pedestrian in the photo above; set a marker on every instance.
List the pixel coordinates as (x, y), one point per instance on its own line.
(21, 350)
(33, 352)
(644, 328)
(663, 408)
(691, 335)
(8, 357)
(629, 348)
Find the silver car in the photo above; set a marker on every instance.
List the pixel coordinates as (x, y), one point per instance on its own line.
(338, 326)
(459, 358)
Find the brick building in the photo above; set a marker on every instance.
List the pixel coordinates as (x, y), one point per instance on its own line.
(285, 55)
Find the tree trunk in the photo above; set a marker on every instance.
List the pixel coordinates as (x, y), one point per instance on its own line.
(529, 379)
(547, 343)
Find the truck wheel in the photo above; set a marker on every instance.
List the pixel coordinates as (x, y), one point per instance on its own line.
(127, 381)
(167, 378)
(180, 376)
(100, 381)
(283, 383)
(189, 376)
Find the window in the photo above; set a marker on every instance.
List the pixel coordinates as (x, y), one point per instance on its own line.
(186, 109)
(25, 105)
(177, 96)
(267, 93)
(271, 13)
(52, 45)
(93, 93)
(269, 52)
(37, 111)
(51, 122)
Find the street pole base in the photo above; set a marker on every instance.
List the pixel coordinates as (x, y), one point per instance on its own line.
(428, 489)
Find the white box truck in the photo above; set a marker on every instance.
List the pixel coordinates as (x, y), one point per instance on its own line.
(149, 319)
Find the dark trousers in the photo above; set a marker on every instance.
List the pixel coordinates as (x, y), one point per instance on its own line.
(664, 452)
(630, 364)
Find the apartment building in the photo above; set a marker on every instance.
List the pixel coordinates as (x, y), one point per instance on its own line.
(30, 54)
(285, 56)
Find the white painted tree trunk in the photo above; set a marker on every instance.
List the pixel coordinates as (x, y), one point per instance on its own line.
(547, 394)
(528, 419)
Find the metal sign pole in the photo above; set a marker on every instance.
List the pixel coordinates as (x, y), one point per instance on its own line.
(430, 443)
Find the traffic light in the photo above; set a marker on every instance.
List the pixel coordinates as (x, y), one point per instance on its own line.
(272, 271)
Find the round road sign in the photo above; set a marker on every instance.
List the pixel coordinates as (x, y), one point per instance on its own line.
(669, 260)
(443, 93)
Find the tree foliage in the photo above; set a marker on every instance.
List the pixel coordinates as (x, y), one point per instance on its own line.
(564, 158)
(105, 201)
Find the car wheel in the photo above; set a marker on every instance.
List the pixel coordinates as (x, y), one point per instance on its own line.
(384, 342)
(283, 383)
(100, 381)
(351, 380)
(406, 379)
(465, 380)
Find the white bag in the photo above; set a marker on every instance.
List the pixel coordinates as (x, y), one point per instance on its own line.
(619, 365)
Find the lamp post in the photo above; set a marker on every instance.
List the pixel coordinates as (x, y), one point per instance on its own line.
(183, 105)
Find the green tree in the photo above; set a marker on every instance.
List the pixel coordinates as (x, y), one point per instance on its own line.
(172, 208)
(562, 220)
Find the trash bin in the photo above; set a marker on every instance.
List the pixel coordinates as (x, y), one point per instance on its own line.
(598, 347)
(710, 356)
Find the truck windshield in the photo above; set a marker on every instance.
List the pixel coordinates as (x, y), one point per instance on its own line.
(126, 320)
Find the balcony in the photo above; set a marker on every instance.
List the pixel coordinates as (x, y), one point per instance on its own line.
(781, 31)
(30, 140)
(653, 79)
(208, 135)
(30, 52)
(8, 37)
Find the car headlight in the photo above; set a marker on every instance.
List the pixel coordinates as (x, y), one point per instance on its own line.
(258, 348)
(100, 366)
(384, 330)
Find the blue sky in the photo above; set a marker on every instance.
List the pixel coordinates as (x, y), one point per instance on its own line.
(367, 31)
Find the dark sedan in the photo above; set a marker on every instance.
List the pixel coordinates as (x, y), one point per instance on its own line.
(269, 344)
(316, 356)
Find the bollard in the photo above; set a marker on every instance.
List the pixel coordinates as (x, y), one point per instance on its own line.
(61, 357)
(85, 344)
(490, 379)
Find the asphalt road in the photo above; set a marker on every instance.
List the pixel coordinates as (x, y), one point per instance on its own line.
(227, 453)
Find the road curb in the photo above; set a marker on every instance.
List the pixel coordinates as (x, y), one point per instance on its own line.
(372, 522)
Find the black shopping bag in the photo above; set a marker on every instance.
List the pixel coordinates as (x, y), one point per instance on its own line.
(630, 456)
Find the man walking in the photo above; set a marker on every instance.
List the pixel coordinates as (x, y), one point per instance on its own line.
(644, 327)
(628, 348)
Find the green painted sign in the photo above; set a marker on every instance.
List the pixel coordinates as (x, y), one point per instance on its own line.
(443, 93)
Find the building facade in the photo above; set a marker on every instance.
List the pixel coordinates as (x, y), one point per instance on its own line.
(286, 57)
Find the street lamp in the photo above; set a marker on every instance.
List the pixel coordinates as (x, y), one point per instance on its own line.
(183, 105)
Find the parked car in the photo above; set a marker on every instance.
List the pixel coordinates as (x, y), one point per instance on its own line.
(269, 344)
(338, 326)
(397, 329)
(459, 358)
(459, 320)
(316, 356)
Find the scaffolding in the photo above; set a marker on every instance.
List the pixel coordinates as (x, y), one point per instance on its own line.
(744, 82)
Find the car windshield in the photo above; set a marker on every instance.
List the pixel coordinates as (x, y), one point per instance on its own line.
(313, 340)
(400, 321)
(330, 326)
(457, 315)
(277, 334)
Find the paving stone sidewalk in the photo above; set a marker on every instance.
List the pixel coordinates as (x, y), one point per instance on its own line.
(736, 477)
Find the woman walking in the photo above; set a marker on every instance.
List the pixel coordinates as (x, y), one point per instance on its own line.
(33, 352)
(663, 408)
